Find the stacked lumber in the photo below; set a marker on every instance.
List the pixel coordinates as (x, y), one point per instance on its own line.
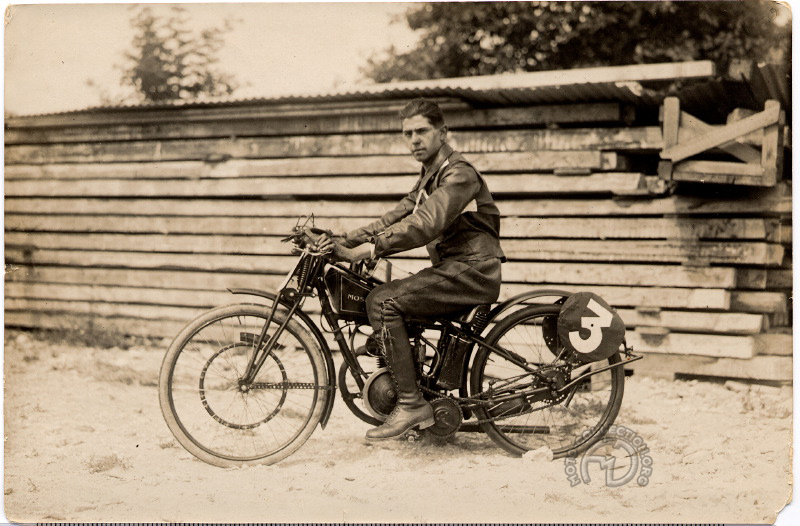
(135, 221)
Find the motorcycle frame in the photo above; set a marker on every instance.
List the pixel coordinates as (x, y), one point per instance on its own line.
(292, 300)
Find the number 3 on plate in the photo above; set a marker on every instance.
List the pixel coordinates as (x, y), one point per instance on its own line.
(595, 326)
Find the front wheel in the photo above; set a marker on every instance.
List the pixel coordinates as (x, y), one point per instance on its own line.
(523, 410)
(225, 421)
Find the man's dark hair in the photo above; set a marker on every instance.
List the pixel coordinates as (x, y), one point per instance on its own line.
(427, 108)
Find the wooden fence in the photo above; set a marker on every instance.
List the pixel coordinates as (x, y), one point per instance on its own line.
(136, 220)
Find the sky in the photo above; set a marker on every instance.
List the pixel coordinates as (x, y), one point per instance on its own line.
(52, 50)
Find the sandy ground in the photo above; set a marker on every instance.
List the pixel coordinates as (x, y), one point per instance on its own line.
(85, 441)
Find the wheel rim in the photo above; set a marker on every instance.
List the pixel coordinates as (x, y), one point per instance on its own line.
(528, 423)
(231, 421)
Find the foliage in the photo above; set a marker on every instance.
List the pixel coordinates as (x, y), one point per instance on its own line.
(170, 62)
(480, 38)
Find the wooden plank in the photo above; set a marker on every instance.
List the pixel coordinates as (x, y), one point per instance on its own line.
(663, 297)
(538, 272)
(774, 344)
(751, 278)
(597, 228)
(766, 302)
(647, 138)
(181, 304)
(766, 202)
(105, 310)
(663, 251)
(692, 344)
(650, 228)
(270, 120)
(785, 235)
(542, 161)
(721, 178)
(772, 368)
(688, 321)
(721, 136)
(592, 75)
(717, 167)
(65, 321)
(118, 294)
(722, 173)
(616, 183)
(610, 274)
(530, 249)
(772, 150)
(779, 279)
(692, 127)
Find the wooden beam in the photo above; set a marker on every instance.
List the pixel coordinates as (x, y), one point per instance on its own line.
(689, 321)
(721, 136)
(765, 202)
(774, 344)
(598, 228)
(368, 165)
(772, 150)
(271, 120)
(66, 321)
(527, 140)
(779, 279)
(662, 251)
(663, 297)
(254, 187)
(768, 368)
(692, 127)
(722, 178)
(766, 302)
(717, 167)
(691, 344)
(535, 273)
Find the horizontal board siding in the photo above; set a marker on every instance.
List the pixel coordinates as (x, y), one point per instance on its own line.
(183, 305)
(538, 272)
(597, 228)
(661, 251)
(767, 204)
(137, 221)
(621, 183)
(665, 297)
(260, 121)
(526, 140)
(542, 161)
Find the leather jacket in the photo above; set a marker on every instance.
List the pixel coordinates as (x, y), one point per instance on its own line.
(450, 210)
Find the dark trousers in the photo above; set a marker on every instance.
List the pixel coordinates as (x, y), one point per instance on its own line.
(446, 287)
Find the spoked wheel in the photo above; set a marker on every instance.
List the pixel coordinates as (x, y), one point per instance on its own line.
(226, 421)
(528, 417)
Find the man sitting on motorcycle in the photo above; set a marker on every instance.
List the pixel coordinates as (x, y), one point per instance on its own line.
(450, 211)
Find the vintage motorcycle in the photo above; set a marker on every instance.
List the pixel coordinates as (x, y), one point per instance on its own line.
(248, 383)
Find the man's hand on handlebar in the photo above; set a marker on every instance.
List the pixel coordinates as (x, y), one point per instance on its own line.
(326, 243)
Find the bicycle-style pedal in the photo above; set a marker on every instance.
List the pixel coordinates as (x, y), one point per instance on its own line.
(412, 435)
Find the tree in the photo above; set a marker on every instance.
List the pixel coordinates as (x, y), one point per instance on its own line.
(170, 62)
(481, 38)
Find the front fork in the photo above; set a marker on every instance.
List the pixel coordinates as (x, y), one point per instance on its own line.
(262, 349)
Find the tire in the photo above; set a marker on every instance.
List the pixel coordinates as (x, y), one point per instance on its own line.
(566, 430)
(208, 412)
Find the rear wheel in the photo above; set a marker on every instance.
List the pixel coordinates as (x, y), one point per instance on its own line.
(225, 421)
(526, 416)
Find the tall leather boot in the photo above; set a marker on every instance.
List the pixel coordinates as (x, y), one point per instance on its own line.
(412, 409)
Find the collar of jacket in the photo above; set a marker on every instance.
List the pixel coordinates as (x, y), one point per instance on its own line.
(441, 156)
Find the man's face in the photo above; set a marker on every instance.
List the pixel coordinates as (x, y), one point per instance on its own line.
(422, 138)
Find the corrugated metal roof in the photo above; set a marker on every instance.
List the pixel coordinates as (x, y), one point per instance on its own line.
(618, 83)
(637, 84)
